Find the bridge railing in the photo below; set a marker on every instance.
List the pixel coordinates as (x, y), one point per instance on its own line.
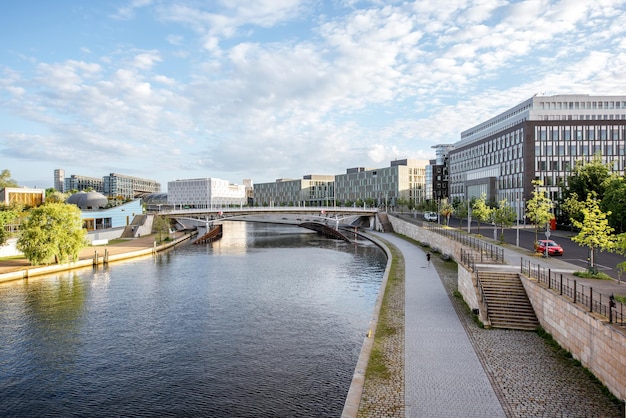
(269, 209)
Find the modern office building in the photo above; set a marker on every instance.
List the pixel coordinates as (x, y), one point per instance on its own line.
(541, 138)
(128, 187)
(81, 183)
(113, 185)
(403, 179)
(437, 174)
(204, 193)
(310, 190)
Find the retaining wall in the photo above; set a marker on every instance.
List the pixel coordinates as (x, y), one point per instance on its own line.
(598, 345)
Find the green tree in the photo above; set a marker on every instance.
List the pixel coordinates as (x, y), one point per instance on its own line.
(52, 232)
(6, 180)
(588, 177)
(446, 210)
(461, 210)
(595, 232)
(504, 216)
(480, 210)
(161, 226)
(6, 217)
(539, 208)
(614, 201)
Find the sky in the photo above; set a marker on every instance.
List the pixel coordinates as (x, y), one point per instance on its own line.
(269, 89)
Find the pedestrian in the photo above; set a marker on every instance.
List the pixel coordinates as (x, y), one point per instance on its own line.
(428, 258)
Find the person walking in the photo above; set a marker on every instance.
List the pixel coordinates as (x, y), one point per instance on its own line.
(428, 258)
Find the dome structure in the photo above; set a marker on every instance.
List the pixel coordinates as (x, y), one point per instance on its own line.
(88, 200)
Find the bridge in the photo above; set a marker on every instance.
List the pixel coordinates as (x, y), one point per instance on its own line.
(327, 220)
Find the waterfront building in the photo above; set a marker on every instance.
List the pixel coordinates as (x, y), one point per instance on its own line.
(203, 193)
(96, 214)
(310, 190)
(541, 138)
(403, 179)
(22, 196)
(128, 187)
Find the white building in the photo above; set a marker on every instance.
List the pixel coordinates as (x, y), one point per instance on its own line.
(204, 193)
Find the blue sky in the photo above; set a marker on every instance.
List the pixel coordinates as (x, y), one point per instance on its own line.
(271, 89)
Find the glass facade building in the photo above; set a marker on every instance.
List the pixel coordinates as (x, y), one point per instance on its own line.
(541, 138)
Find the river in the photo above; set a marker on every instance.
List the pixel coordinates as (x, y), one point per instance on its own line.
(268, 321)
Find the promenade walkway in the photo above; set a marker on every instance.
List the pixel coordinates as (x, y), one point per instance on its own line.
(443, 375)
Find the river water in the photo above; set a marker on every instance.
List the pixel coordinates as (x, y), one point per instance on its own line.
(268, 321)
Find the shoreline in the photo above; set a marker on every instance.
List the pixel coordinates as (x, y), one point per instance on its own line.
(89, 256)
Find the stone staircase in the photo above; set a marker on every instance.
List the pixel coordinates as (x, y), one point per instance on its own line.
(384, 222)
(507, 303)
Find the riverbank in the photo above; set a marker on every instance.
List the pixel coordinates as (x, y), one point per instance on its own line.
(20, 268)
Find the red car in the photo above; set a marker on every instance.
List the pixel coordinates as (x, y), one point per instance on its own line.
(553, 247)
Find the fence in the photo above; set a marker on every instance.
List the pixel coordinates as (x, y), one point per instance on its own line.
(486, 250)
(578, 293)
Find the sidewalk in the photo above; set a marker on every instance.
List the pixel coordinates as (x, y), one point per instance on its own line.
(443, 374)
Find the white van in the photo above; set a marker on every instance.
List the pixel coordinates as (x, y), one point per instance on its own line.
(430, 216)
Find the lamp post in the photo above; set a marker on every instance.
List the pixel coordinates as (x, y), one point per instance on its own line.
(517, 216)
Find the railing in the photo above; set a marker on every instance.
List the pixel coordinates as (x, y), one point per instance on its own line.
(486, 250)
(467, 259)
(585, 295)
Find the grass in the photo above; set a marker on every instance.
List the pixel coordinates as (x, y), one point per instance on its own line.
(377, 365)
(588, 275)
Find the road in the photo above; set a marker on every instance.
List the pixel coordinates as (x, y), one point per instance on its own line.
(572, 253)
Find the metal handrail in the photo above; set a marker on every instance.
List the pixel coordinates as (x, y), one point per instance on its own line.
(595, 301)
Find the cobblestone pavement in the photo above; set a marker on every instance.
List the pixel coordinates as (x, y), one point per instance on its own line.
(528, 376)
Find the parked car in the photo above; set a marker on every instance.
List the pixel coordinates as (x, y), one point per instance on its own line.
(553, 247)
(430, 216)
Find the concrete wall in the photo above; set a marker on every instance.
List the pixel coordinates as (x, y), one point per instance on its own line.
(600, 347)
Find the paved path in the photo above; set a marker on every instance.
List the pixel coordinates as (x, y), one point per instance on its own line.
(443, 375)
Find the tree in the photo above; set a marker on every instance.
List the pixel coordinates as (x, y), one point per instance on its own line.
(6, 217)
(595, 231)
(614, 201)
(480, 210)
(162, 226)
(446, 210)
(6, 180)
(52, 232)
(461, 209)
(504, 216)
(588, 177)
(539, 208)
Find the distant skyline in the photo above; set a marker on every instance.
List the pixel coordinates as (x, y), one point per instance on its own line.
(271, 89)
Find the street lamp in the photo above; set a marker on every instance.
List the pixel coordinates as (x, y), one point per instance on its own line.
(517, 216)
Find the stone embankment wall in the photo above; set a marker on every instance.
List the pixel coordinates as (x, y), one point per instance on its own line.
(598, 345)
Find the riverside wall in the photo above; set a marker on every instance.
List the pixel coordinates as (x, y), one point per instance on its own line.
(598, 345)
(100, 257)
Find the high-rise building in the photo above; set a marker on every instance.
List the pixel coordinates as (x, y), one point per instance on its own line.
(541, 138)
(59, 180)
